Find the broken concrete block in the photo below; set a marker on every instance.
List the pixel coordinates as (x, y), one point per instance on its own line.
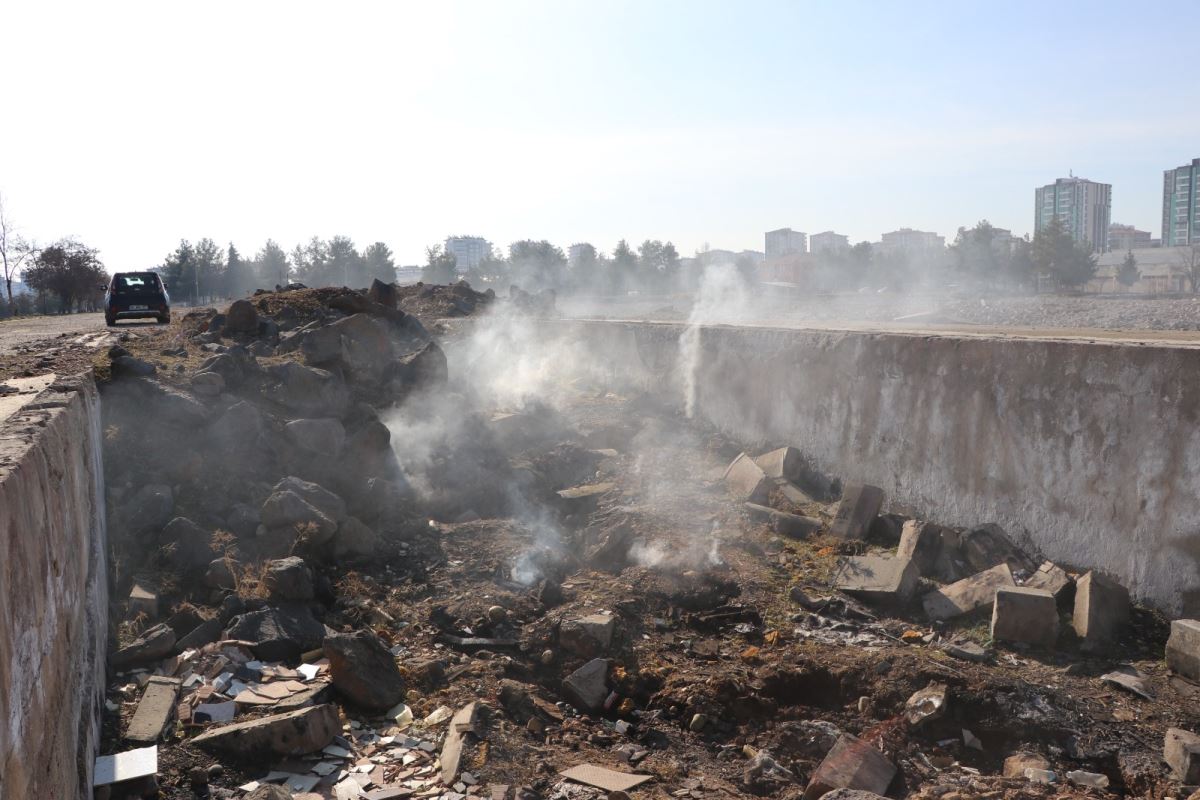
(589, 636)
(791, 492)
(587, 687)
(793, 525)
(851, 764)
(1016, 764)
(884, 579)
(583, 499)
(920, 543)
(786, 463)
(1101, 609)
(1181, 751)
(1021, 614)
(142, 601)
(747, 480)
(967, 595)
(1049, 577)
(152, 645)
(293, 733)
(860, 505)
(988, 545)
(1183, 648)
(927, 704)
(154, 710)
(463, 723)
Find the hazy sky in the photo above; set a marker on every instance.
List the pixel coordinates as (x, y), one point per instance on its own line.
(132, 125)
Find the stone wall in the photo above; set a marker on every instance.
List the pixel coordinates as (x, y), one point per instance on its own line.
(53, 581)
(1089, 452)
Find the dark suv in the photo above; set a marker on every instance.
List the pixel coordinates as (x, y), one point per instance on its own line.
(136, 295)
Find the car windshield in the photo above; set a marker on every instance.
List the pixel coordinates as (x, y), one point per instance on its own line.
(136, 284)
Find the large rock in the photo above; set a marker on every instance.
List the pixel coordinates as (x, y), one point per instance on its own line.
(307, 390)
(363, 670)
(154, 644)
(851, 764)
(148, 509)
(242, 317)
(289, 579)
(383, 293)
(239, 429)
(326, 436)
(424, 366)
(295, 503)
(186, 545)
(278, 633)
(291, 734)
(354, 538)
(359, 344)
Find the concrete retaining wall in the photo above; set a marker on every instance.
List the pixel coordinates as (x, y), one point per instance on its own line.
(1089, 452)
(53, 585)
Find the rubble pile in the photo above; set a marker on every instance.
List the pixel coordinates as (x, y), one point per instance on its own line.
(590, 599)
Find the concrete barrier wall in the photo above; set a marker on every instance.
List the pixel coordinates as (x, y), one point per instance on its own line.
(53, 585)
(1088, 452)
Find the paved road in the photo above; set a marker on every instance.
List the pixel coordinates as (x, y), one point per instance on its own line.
(23, 330)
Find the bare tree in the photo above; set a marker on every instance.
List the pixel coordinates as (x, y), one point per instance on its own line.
(1189, 259)
(14, 250)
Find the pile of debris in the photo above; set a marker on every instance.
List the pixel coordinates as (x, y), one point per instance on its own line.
(568, 605)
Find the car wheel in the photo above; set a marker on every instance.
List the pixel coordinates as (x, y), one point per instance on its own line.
(110, 322)
(166, 318)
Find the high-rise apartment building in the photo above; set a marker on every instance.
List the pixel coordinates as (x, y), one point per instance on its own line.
(828, 242)
(785, 242)
(468, 251)
(1181, 205)
(1126, 237)
(1085, 208)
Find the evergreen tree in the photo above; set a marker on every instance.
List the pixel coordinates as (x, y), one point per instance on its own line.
(379, 263)
(1128, 273)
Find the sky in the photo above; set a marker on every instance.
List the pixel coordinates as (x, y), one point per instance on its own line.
(133, 125)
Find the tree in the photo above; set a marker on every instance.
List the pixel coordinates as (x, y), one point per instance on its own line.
(536, 264)
(747, 267)
(624, 265)
(14, 251)
(273, 266)
(1056, 254)
(440, 266)
(210, 269)
(312, 263)
(70, 271)
(239, 275)
(1127, 273)
(178, 271)
(975, 256)
(379, 263)
(1189, 259)
(346, 266)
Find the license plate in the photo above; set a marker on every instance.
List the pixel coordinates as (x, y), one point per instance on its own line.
(138, 308)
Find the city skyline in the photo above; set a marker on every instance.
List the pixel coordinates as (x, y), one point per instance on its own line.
(353, 123)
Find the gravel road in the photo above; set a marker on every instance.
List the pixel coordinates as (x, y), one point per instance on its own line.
(20, 331)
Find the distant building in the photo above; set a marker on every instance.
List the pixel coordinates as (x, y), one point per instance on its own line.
(716, 256)
(1162, 269)
(914, 245)
(785, 242)
(409, 274)
(1181, 205)
(757, 256)
(577, 252)
(1122, 238)
(468, 251)
(1084, 206)
(828, 242)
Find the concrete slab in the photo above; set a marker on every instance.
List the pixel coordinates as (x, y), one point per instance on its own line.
(1050, 577)
(17, 393)
(154, 710)
(1101, 609)
(747, 480)
(1181, 751)
(969, 594)
(1183, 648)
(1022, 614)
(920, 543)
(793, 525)
(786, 462)
(860, 505)
(883, 579)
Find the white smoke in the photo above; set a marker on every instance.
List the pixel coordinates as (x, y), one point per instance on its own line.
(723, 298)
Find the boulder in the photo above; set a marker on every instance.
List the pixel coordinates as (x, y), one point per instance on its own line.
(383, 293)
(355, 538)
(220, 574)
(289, 579)
(290, 734)
(422, 367)
(242, 317)
(363, 670)
(306, 390)
(208, 384)
(243, 520)
(186, 545)
(148, 509)
(278, 633)
(325, 436)
(239, 429)
(130, 367)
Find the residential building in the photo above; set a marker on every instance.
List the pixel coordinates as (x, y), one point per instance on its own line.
(757, 256)
(785, 242)
(468, 251)
(828, 242)
(1181, 205)
(1084, 206)
(913, 245)
(1122, 238)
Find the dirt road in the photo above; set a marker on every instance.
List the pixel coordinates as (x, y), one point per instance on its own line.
(24, 330)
